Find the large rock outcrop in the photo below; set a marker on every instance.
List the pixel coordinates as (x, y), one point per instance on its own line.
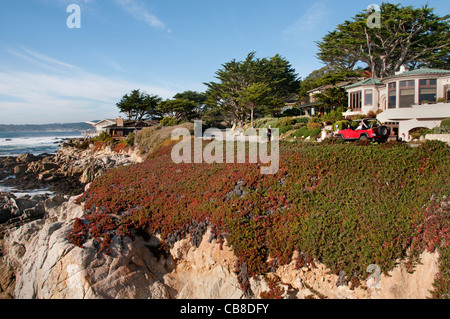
(39, 261)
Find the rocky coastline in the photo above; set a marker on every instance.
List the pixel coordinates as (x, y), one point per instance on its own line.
(57, 178)
(64, 173)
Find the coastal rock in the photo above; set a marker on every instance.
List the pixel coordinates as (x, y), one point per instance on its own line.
(66, 172)
(20, 169)
(26, 158)
(12, 208)
(39, 261)
(51, 267)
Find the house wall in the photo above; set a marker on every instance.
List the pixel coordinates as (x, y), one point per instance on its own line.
(374, 106)
(100, 126)
(429, 116)
(415, 116)
(441, 82)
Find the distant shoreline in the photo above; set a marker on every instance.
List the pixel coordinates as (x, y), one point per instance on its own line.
(35, 128)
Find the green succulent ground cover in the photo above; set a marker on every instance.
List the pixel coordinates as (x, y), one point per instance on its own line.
(348, 205)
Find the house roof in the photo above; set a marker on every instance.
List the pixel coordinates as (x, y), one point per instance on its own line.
(108, 121)
(133, 124)
(307, 105)
(326, 86)
(421, 71)
(370, 81)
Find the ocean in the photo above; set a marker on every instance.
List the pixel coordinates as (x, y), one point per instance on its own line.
(17, 143)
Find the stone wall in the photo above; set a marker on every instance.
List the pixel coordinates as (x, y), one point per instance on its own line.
(438, 137)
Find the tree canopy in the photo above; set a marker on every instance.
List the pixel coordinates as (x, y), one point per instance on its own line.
(407, 36)
(252, 85)
(184, 106)
(139, 105)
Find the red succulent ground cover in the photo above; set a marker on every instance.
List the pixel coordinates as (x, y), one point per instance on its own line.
(347, 205)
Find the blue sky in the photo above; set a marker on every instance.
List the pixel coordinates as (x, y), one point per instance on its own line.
(50, 73)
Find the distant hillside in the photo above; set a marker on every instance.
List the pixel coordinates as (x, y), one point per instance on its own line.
(56, 127)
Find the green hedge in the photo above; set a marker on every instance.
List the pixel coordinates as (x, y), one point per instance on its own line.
(304, 132)
(285, 129)
(445, 122)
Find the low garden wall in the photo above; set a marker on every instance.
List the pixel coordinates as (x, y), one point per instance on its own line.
(438, 137)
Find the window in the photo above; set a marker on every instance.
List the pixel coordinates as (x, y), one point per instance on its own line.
(447, 93)
(427, 91)
(392, 95)
(368, 97)
(355, 100)
(407, 93)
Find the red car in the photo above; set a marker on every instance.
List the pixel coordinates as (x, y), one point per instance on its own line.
(368, 129)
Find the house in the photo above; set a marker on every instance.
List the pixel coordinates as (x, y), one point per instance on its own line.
(123, 128)
(312, 107)
(101, 125)
(406, 101)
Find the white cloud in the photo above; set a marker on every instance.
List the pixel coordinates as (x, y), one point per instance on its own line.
(138, 11)
(310, 21)
(69, 95)
(40, 59)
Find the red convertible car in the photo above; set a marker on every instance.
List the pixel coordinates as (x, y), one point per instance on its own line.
(368, 129)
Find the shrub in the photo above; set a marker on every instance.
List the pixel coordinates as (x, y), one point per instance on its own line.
(313, 125)
(302, 132)
(285, 129)
(445, 122)
(420, 132)
(293, 112)
(441, 130)
(333, 115)
(284, 121)
(296, 126)
(120, 147)
(342, 125)
(356, 117)
(103, 137)
(129, 140)
(303, 120)
(314, 132)
(271, 122)
(169, 121)
(148, 139)
(258, 123)
(371, 115)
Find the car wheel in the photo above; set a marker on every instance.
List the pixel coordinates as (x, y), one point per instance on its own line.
(383, 131)
(363, 138)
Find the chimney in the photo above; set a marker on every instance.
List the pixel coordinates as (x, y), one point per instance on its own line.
(119, 122)
(401, 70)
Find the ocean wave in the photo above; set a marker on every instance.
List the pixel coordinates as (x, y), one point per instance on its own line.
(17, 144)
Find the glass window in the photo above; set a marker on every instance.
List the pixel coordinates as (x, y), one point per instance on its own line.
(407, 93)
(392, 95)
(427, 91)
(368, 97)
(355, 100)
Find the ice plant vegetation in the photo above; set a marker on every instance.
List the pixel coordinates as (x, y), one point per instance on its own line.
(347, 205)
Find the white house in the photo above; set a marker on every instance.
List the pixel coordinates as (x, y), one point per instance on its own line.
(405, 101)
(100, 126)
